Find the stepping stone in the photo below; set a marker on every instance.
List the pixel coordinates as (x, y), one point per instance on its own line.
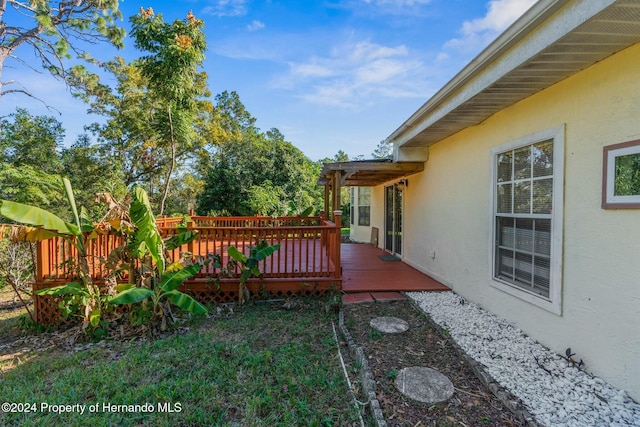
(424, 384)
(357, 298)
(389, 325)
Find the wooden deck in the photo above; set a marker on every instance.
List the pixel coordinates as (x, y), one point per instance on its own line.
(364, 271)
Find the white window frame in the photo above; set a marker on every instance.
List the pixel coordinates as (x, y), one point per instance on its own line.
(609, 199)
(554, 302)
(360, 191)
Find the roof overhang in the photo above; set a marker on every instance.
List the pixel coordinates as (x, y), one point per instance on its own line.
(550, 42)
(368, 173)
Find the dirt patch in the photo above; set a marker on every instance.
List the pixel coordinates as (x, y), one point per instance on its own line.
(422, 345)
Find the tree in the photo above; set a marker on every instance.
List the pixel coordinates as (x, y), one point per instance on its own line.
(159, 101)
(259, 173)
(383, 150)
(176, 52)
(33, 141)
(54, 29)
(90, 173)
(30, 185)
(29, 162)
(128, 138)
(225, 120)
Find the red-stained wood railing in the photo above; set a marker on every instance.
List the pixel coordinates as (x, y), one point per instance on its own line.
(308, 261)
(309, 247)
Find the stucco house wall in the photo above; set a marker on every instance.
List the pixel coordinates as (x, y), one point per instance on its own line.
(448, 210)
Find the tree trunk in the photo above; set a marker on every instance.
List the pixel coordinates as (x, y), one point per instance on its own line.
(172, 166)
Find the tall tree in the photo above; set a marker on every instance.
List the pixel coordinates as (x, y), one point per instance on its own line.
(258, 173)
(54, 30)
(29, 162)
(158, 103)
(176, 52)
(383, 150)
(31, 140)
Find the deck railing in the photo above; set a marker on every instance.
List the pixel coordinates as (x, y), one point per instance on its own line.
(309, 248)
(307, 263)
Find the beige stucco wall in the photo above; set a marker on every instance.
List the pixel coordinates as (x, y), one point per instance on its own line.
(448, 210)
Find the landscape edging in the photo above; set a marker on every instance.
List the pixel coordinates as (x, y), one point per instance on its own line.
(507, 399)
(366, 376)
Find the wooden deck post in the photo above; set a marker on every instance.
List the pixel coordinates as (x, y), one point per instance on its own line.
(335, 186)
(337, 217)
(42, 253)
(327, 195)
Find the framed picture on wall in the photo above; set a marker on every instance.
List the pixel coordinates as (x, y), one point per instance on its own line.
(621, 176)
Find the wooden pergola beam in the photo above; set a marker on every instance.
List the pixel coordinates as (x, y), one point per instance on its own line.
(367, 173)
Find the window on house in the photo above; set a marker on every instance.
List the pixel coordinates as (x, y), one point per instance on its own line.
(621, 176)
(527, 230)
(364, 206)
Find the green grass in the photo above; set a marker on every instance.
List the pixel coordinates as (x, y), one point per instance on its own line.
(260, 367)
(345, 231)
(10, 319)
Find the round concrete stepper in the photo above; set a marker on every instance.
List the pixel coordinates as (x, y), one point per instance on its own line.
(389, 325)
(424, 384)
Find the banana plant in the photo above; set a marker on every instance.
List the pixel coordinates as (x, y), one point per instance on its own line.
(48, 225)
(250, 264)
(159, 283)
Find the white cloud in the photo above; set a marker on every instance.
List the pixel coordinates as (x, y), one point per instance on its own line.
(226, 8)
(311, 69)
(256, 25)
(355, 74)
(479, 32)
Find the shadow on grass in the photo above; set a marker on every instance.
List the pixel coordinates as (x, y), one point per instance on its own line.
(259, 365)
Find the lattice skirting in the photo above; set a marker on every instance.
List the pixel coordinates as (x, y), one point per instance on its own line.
(47, 308)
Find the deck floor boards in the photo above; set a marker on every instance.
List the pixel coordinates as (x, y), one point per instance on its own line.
(364, 271)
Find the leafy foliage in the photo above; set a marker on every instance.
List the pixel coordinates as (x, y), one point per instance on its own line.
(84, 293)
(383, 150)
(250, 264)
(627, 175)
(143, 242)
(158, 98)
(155, 282)
(54, 30)
(91, 172)
(252, 172)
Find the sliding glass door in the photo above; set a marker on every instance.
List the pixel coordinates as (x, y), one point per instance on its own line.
(393, 219)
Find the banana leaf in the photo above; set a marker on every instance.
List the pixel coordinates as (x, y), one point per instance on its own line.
(73, 288)
(147, 237)
(180, 239)
(33, 215)
(269, 250)
(170, 281)
(94, 317)
(236, 254)
(132, 296)
(185, 302)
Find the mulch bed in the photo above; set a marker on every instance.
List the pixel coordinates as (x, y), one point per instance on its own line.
(422, 345)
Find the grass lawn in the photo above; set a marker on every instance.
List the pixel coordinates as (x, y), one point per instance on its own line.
(9, 319)
(258, 365)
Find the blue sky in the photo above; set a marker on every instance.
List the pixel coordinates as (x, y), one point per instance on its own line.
(330, 75)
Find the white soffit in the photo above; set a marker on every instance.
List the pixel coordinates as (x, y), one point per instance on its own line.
(550, 42)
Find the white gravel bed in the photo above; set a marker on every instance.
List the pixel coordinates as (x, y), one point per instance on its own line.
(554, 392)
